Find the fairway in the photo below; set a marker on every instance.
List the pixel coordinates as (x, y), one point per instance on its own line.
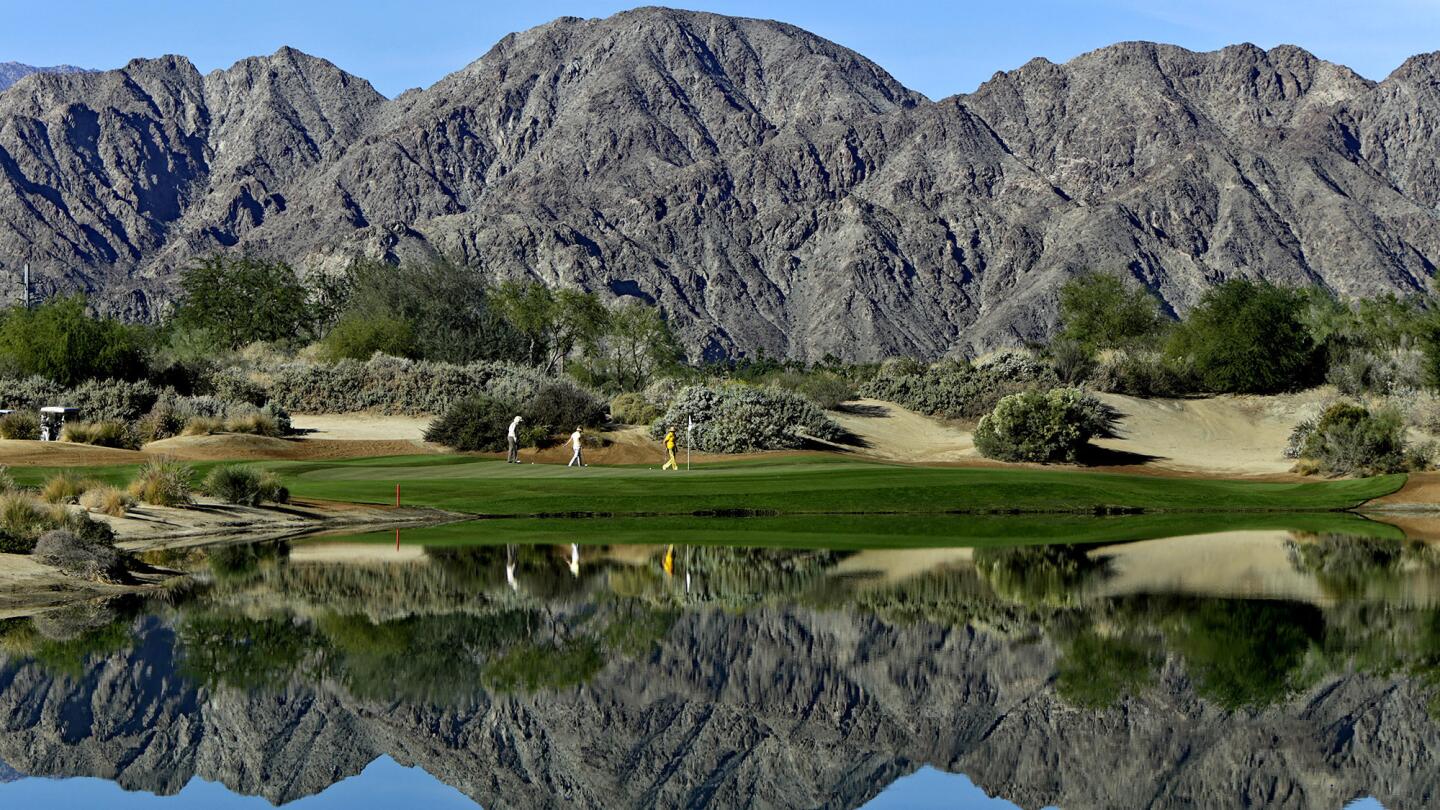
(485, 487)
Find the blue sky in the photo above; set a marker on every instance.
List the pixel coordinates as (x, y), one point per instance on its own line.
(938, 47)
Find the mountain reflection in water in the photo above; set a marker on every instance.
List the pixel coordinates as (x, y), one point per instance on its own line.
(1243, 668)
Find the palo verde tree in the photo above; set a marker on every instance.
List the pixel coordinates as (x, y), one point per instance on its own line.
(554, 322)
(1098, 311)
(236, 300)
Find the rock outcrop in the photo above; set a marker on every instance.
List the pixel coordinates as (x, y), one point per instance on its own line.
(768, 188)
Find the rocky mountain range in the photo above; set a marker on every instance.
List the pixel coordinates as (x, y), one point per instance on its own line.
(766, 708)
(766, 187)
(11, 72)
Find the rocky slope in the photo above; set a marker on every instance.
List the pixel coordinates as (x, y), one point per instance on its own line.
(768, 188)
(767, 708)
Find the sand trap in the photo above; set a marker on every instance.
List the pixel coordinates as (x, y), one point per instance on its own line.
(242, 447)
(361, 427)
(891, 432)
(1229, 435)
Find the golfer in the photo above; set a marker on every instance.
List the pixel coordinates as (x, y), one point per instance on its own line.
(514, 440)
(576, 460)
(670, 462)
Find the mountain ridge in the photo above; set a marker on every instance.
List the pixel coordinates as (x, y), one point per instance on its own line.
(768, 188)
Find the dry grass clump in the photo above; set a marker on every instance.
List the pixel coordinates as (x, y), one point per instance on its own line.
(20, 425)
(107, 500)
(100, 434)
(203, 426)
(22, 519)
(7, 484)
(66, 487)
(162, 482)
(258, 423)
(245, 486)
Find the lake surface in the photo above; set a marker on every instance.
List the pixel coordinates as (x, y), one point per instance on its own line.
(1218, 661)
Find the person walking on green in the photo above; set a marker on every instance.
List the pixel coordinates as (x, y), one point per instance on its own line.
(670, 462)
(576, 460)
(513, 438)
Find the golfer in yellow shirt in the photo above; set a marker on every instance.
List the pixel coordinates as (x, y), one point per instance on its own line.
(670, 463)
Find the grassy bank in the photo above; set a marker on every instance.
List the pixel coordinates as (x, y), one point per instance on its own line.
(491, 488)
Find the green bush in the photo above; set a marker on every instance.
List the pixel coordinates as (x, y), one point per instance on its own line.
(1247, 337)
(477, 423)
(162, 482)
(633, 409)
(20, 425)
(237, 300)
(1353, 440)
(560, 406)
(359, 337)
(245, 486)
(824, 388)
(1047, 426)
(1073, 362)
(742, 419)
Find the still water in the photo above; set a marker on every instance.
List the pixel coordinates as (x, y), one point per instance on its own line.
(742, 664)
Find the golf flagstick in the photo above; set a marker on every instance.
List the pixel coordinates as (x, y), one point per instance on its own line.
(689, 439)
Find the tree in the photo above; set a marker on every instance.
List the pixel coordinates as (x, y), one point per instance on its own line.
(1098, 312)
(60, 340)
(636, 345)
(554, 322)
(449, 310)
(1247, 337)
(358, 337)
(240, 300)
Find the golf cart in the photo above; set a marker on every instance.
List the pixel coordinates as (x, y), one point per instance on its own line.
(53, 419)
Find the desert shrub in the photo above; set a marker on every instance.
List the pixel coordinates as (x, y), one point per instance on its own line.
(1393, 371)
(633, 409)
(203, 426)
(100, 434)
(162, 422)
(1138, 373)
(97, 399)
(244, 486)
(957, 390)
(1247, 337)
(20, 425)
(232, 385)
(477, 423)
(663, 391)
(1044, 426)
(66, 487)
(359, 337)
(560, 406)
(59, 340)
(162, 482)
(91, 558)
(824, 388)
(107, 500)
(7, 483)
(742, 419)
(1072, 361)
(1350, 439)
(392, 385)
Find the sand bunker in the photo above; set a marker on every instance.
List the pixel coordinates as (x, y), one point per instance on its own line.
(1229, 435)
(891, 432)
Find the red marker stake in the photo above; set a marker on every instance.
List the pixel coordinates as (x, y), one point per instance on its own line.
(397, 495)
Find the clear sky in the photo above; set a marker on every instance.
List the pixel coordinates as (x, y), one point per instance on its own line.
(938, 47)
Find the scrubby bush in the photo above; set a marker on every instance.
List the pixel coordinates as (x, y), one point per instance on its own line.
(20, 425)
(103, 400)
(66, 487)
(742, 419)
(560, 406)
(162, 482)
(1350, 439)
(100, 434)
(1072, 361)
(359, 337)
(824, 388)
(107, 500)
(256, 424)
(1047, 426)
(1394, 371)
(245, 486)
(477, 423)
(24, 518)
(392, 385)
(90, 558)
(59, 340)
(203, 426)
(633, 409)
(958, 390)
(1138, 373)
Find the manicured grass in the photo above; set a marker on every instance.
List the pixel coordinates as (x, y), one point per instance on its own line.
(492, 488)
(870, 531)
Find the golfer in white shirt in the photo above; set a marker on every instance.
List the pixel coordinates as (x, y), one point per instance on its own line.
(576, 460)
